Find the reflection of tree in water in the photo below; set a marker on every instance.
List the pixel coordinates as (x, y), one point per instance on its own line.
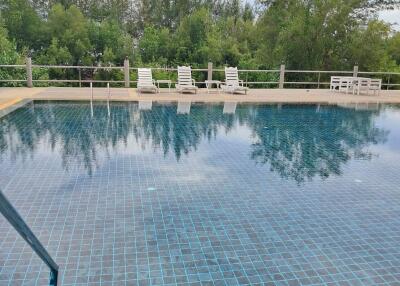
(69, 126)
(180, 132)
(296, 141)
(299, 142)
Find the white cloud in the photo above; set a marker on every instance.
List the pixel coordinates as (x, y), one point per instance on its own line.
(391, 16)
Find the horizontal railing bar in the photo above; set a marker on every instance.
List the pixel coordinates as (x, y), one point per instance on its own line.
(12, 80)
(12, 66)
(77, 67)
(301, 82)
(311, 71)
(388, 73)
(390, 84)
(77, 80)
(260, 82)
(266, 71)
(169, 69)
(159, 69)
(14, 218)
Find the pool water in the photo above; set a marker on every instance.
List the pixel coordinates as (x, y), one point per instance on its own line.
(223, 194)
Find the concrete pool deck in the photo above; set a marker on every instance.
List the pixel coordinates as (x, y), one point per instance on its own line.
(11, 96)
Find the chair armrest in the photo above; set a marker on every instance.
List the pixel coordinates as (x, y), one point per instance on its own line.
(241, 82)
(194, 82)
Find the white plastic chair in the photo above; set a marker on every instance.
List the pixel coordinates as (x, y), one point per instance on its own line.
(335, 83)
(146, 81)
(346, 84)
(185, 80)
(232, 82)
(375, 85)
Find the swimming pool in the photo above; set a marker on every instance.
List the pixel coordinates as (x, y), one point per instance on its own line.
(197, 194)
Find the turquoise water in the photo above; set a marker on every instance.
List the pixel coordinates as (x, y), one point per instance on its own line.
(224, 194)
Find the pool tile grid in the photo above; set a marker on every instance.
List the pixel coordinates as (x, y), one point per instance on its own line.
(144, 219)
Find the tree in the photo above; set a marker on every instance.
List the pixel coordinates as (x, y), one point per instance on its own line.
(9, 55)
(23, 23)
(304, 34)
(313, 34)
(394, 48)
(109, 34)
(70, 28)
(368, 46)
(154, 46)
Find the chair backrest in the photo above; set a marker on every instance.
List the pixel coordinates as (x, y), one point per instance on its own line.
(185, 76)
(145, 76)
(335, 79)
(231, 76)
(376, 83)
(345, 80)
(364, 82)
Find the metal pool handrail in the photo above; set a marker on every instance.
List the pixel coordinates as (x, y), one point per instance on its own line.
(13, 217)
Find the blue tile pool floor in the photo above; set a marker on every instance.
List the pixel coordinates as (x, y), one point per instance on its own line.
(222, 195)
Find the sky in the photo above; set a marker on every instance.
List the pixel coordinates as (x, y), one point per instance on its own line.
(391, 16)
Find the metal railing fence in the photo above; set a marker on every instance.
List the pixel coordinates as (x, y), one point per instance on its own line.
(281, 78)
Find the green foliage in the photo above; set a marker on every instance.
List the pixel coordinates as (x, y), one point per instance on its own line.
(23, 23)
(108, 36)
(8, 52)
(394, 48)
(56, 54)
(10, 56)
(70, 28)
(154, 45)
(368, 46)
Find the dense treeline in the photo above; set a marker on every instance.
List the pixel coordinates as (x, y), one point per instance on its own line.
(311, 34)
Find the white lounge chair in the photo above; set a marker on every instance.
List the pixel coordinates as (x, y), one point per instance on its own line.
(375, 85)
(185, 80)
(335, 83)
(146, 81)
(232, 82)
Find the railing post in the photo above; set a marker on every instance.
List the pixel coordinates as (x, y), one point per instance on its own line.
(80, 77)
(210, 71)
(282, 77)
(29, 82)
(355, 71)
(126, 72)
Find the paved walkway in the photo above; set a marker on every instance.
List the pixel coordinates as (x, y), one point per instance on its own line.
(9, 96)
